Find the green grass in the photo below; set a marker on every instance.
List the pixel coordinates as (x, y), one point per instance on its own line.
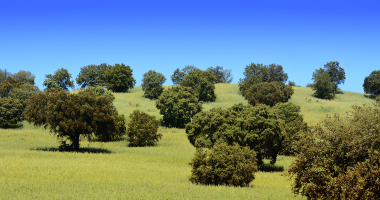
(31, 168)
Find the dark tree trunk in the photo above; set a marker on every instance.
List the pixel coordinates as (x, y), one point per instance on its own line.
(76, 142)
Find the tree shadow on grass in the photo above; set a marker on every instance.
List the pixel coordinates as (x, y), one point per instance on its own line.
(81, 150)
(271, 168)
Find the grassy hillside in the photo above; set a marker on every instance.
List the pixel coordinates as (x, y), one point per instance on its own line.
(121, 172)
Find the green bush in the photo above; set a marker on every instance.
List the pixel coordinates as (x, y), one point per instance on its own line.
(142, 129)
(178, 105)
(292, 83)
(119, 78)
(323, 86)
(179, 74)
(92, 75)
(101, 92)
(268, 93)
(224, 165)
(372, 83)
(152, 84)
(340, 158)
(10, 111)
(254, 126)
(291, 114)
(259, 73)
(202, 82)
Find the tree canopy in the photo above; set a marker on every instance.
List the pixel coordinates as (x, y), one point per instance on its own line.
(119, 78)
(268, 93)
(336, 73)
(152, 84)
(10, 111)
(372, 83)
(324, 88)
(61, 79)
(222, 76)
(179, 74)
(202, 82)
(24, 77)
(92, 75)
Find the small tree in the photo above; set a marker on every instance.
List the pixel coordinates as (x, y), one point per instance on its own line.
(73, 116)
(10, 111)
(179, 74)
(23, 93)
(292, 83)
(119, 78)
(60, 80)
(324, 88)
(202, 82)
(268, 93)
(24, 77)
(222, 76)
(92, 75)
(336, 73)
(4, 75)
(258, 73)
(372, 83)
(253, 126)
(224, 165)
(142, 129)
(178, 105)
(152, 84)
(101, 92)
(340, 158)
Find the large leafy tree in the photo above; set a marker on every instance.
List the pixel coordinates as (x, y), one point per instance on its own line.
(24, 77)
(340, 157)
(92, 75)
(7, 85)
(10, 111)
(324, 88)
(222, 76)
(73, 116)
(179, 74)
(202, 82)
(119, 78)
(254, 126)
(152, 84)
(268, 93)
(258, 73)
(61, 79)
(372, 83)
(178, 105)
(336, 73)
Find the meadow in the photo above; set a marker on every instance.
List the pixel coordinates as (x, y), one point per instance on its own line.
(32, 168)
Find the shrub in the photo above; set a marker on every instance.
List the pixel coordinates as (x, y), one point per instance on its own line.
(178, 105)
(268, 93)
(339, 158)
(10, 111)
(202, 82)
(142, 129)
(324, 88)
(92, 75)
(119, 78)
(179, 74)
(291, 114)
(292, 83)
(222, 76)
(101, 92)
(152, 84)
(258, 73)
(73, 116)
(60, 80)
(253, 126)
(224, 165)
(372, 83)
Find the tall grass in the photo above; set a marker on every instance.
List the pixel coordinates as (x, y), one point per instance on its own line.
(30, 168)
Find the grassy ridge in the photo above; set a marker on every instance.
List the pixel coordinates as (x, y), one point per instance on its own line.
(122, 172)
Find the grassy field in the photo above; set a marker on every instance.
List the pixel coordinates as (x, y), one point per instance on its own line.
(31, 169)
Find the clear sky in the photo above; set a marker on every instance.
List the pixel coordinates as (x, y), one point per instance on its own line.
(41, 36)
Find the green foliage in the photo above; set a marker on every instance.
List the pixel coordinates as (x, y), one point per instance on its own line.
(92, 75)
(202, 82)
(340, 158)
(222, 76)
(4, 75)
(294, 123)
(23, 93)
(253, 126)
(336, 73)
(73, 116)
(324, 88)
(258, 73)
(24, 77)
(8, 85)
(60, 80)
(142, 129)
(119, 78)
(372, 83)
(152, 84)
(179, 74)
(178, 105)
(292, 83)
(101, 92)
(268, 93)
(224, 165)
(10, 111)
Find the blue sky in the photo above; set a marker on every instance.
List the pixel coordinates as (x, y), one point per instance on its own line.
(41, 36)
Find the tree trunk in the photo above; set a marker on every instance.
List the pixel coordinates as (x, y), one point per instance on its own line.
(75, 142)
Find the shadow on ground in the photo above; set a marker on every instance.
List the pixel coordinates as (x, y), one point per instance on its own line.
(81, 150)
